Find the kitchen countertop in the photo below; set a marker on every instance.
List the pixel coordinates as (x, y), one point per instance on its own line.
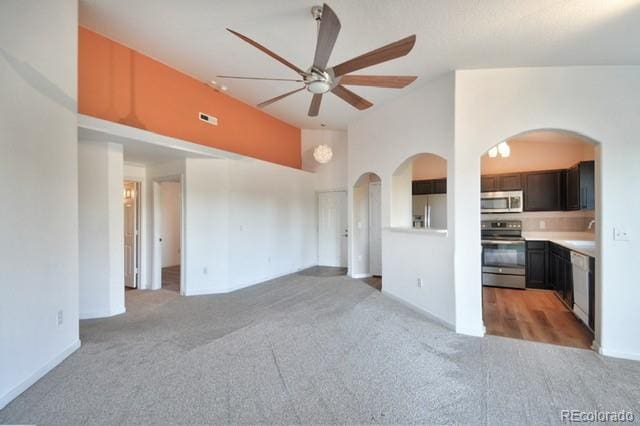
(565, 239)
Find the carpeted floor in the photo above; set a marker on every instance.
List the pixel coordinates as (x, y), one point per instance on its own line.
(310, 349)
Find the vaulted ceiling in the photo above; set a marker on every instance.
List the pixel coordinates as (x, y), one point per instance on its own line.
(190, 36)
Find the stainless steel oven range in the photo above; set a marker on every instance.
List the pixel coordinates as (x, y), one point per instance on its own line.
(503, 254)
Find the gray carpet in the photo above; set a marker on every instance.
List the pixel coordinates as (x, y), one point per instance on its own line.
(310, 349)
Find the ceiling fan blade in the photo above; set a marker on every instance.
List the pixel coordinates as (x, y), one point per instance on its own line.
(350, 97)
(277, 98)
(314, 108)
(388, 81)
(383, 54)
(259, 78)
(327, 36)
(267, 51)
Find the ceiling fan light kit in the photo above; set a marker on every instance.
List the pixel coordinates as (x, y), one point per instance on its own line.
(320, 79)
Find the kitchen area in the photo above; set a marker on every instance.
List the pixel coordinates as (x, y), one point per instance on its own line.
(538, 209)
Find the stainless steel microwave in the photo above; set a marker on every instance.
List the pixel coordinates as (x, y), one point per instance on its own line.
(501, 202)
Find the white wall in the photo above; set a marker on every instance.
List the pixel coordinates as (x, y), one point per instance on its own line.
(38, 186)
(170, 222)
(206, 224)
(333, 175)
(383, 138)
(246, 221)
(101, 225)
(601, 103)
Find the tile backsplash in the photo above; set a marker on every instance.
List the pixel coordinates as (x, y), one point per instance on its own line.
(577, 221)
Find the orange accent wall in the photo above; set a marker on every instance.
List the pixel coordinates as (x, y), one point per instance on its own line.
(118, 84)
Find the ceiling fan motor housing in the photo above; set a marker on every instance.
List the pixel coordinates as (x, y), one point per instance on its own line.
(318, 81)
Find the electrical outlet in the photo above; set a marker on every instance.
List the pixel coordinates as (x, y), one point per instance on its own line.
(620, 234)
(204, 271)
(60, 317)
(543, 224)
(269, 259)
(419, 282)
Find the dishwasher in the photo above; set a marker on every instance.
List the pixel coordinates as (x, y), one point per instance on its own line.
(580, 267)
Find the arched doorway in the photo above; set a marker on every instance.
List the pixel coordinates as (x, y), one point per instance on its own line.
(539, 203)
(367, 233)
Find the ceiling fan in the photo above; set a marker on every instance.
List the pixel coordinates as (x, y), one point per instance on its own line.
(320, 79)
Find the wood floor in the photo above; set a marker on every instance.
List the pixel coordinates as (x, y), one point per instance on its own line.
(171, 278)
(536, 315)
(375, 282)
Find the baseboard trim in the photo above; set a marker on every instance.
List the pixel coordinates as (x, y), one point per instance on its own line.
(420, 310)
(205, 291)
(102, 313)
(616, 354)
(26, 384)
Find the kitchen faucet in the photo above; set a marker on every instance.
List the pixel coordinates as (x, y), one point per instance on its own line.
(591, 223)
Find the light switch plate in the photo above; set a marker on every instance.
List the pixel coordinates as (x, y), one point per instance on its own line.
(620, 234)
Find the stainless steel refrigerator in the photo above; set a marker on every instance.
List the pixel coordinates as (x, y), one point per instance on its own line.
(431, 210)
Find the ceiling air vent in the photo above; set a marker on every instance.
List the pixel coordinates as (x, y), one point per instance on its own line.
(208, 118)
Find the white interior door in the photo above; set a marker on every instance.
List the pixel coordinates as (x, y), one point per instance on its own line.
(375, 228)
(332, 229)
(130, 236)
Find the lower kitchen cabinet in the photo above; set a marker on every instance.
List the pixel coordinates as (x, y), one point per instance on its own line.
(537, 264)
(561, 273)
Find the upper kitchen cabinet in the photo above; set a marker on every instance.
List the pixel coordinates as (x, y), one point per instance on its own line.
(580, 192)
(544, 190)
(429, 186)
(503, 182)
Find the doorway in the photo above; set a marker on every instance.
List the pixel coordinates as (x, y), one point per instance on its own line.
(131, 193)
(538, 209)
(167, 221)
(366, 241)
(332, 229)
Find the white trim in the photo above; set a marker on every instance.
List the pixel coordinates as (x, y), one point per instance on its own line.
(29, 381)
(205, 291)
(105, 313)
(615, 354)
(128, 132)
(360, 276)
(419, 310)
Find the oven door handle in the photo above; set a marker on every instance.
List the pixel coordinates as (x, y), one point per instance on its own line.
(507, 242)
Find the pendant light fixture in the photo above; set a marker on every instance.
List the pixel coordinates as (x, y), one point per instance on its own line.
(323, 153)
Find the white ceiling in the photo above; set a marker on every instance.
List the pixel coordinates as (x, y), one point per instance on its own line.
(451, 34)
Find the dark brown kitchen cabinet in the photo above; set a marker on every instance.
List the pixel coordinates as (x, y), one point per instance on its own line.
(580, 191)
(536, 270)
(544, 190)
(561, 273)
(502, 182)
(421, 187)
(488, 183)
(510, 182)
(429, 186)
(439, 186)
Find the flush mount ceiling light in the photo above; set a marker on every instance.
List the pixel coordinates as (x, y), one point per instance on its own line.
(502, 148)
(323, 154)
